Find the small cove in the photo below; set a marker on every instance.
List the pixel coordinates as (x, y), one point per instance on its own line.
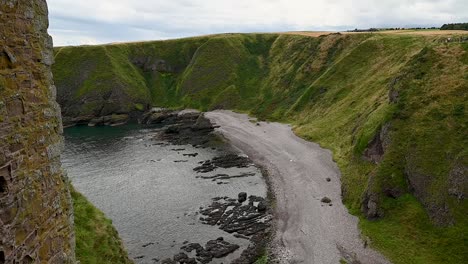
(152, 200)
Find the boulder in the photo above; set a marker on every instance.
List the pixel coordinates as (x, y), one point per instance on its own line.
(181, 257)
(202, 123)
(242, 197)
(262, 206)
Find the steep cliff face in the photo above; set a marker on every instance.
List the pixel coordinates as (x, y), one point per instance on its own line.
(36, 216)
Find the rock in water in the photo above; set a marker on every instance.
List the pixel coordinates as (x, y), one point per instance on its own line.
(181, 257)
(220, 248)
(242, 197)
(202, 123)
(262, 206)
(168, 261)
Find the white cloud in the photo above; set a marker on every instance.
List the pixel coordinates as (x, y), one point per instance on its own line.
(101, 21)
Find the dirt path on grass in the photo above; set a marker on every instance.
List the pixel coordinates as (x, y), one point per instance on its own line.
(308, 231)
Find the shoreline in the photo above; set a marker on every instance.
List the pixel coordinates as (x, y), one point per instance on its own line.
(307, 229)
(186, 139)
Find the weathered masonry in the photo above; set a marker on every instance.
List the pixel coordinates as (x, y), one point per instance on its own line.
(36, 215)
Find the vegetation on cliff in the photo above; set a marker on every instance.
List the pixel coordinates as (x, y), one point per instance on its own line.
(97, 241)
(392, 108)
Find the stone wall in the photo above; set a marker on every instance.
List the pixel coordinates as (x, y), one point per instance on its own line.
(36, 215)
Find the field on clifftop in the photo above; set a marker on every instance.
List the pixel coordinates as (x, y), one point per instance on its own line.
(391, 107)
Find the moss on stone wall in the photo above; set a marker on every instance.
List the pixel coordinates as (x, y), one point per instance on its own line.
(36, 224)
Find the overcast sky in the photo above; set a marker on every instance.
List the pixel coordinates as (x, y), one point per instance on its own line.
(76, 22)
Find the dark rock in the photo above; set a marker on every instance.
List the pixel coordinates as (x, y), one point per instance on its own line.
(181, 257)
(393, 192)
(377, 146)
(250, 254)
(325, 200)
(328, 179)
(108, 120)
(262, 206)
(202, 123)
(225, 161)
(220, 248)
(421, 183)
(242, 197)
(244, 219)
(172, 130)
(190, 261)
(226, 176)
(204, 256)
(157, 116)
(152, 64)
(148, 244)
(458, 181)
(191, 246)
(190, 155)
(393, 94)
(241, 236)
(181, 128)
(116, 119)
(213, 249)
(370, 206)
(96, 121)
(168, 261)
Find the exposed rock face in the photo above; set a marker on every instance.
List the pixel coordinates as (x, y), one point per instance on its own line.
(36, 215)
(369, 206)
(149, 64)
(458, 182)
(419, 183)
(377, 146)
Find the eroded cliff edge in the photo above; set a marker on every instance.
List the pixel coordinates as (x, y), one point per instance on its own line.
(36, 215)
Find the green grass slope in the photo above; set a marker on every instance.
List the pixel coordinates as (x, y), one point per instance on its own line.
(97, 241)
(392, 108)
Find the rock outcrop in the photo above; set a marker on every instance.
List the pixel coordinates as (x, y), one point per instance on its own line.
(36, 215)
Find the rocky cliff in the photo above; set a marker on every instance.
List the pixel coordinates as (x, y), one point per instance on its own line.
(36, 216)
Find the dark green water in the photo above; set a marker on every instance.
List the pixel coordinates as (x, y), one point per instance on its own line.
(149, 197)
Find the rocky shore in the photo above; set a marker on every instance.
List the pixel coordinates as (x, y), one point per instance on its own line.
(246, 217)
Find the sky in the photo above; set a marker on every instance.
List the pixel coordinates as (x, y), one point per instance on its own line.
(79, 22)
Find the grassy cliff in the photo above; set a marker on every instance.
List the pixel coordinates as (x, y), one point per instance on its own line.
(97, 241)
(392, 108)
